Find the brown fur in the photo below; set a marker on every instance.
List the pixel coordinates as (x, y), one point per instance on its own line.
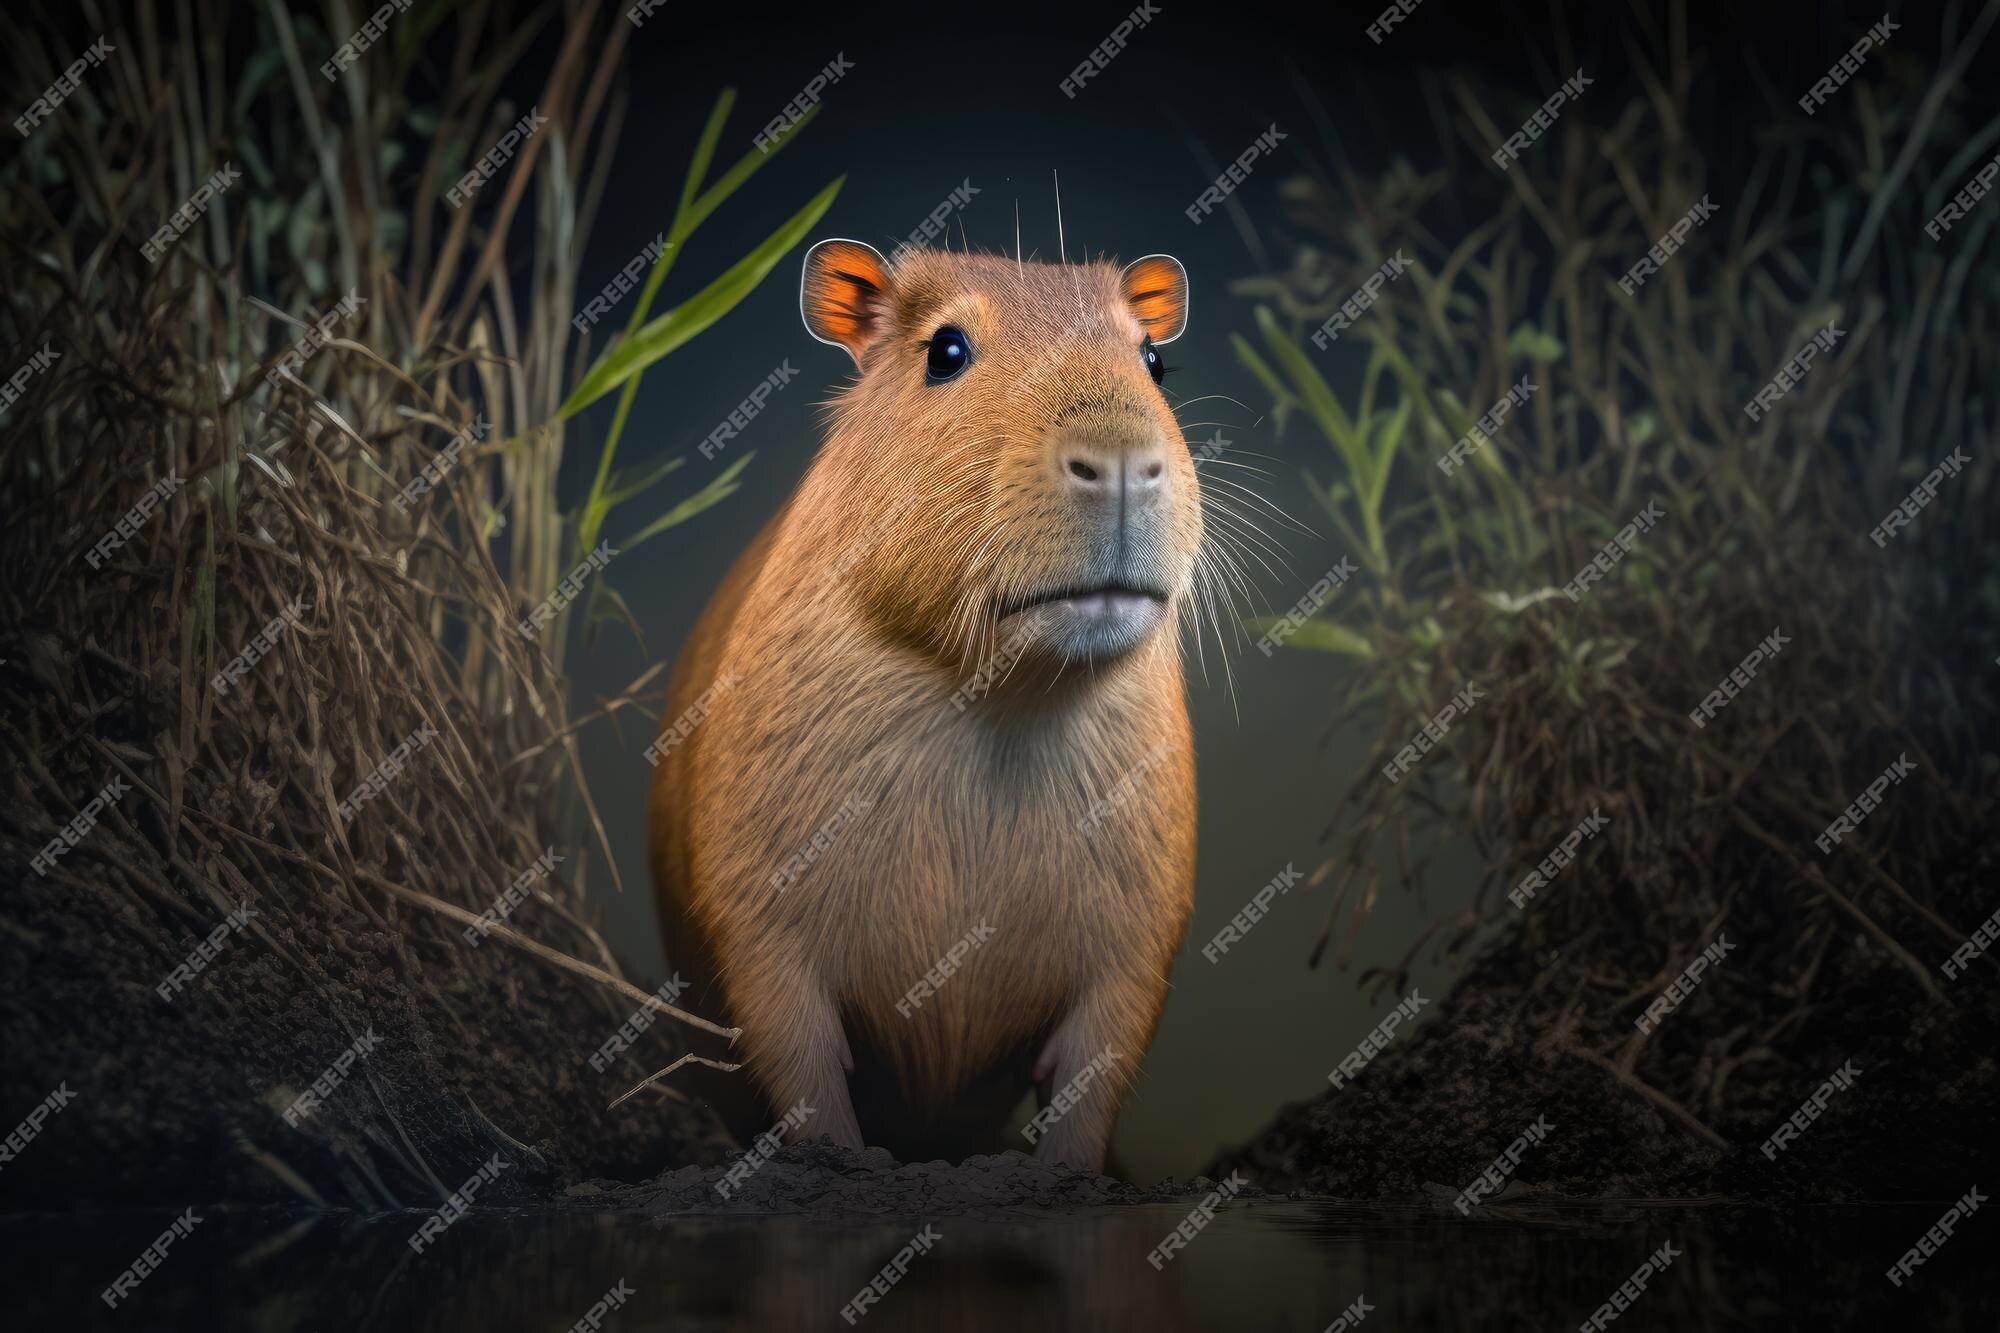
(938, 502)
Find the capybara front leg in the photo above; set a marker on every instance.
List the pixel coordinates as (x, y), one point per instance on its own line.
(1088, 1066)
(794, 1045)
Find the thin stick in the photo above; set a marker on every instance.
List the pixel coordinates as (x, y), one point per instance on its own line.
(546, 954)
(689, 1058)
(1868, 923)
(1660, 1099)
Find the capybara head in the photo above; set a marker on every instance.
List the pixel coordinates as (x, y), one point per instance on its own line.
(1011, 476)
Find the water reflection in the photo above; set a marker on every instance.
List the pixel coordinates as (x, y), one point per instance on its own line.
(1260, 1266)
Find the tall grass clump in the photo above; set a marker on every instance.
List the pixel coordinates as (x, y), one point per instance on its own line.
(1638, 397)
(437, 343)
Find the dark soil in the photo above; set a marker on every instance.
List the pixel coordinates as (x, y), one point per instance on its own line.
(818, 1178)
(183, 1102)
(479, 1050)
(1438, 1106)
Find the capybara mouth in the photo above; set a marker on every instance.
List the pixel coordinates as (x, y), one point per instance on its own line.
(1091, 597)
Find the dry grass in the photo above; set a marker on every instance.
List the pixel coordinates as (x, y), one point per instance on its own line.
(1639, 397)
(286, 485)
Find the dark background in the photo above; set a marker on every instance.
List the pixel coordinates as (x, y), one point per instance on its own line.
(944, 94)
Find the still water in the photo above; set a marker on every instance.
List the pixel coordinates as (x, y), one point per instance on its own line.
(1258, 1266)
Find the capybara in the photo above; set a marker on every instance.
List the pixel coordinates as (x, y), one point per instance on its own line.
(924, 816)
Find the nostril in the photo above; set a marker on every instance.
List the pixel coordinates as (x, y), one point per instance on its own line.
(1081, 470)
(1153, 472)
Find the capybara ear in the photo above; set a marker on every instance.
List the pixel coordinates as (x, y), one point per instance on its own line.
(844, 294)
(1157, 287)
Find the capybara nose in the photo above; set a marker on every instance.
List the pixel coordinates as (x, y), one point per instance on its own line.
(1112, 471)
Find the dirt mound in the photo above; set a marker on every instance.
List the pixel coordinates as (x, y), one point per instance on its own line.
(817, 1177)
(1451, 1093)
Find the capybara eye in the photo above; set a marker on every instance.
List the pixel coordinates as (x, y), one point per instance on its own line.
(949, 354)
(1155, 363)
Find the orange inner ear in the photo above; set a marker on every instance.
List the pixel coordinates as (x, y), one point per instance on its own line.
(845, 294)
(1156, 286)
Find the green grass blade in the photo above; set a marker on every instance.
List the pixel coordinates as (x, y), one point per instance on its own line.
(704, 152)
(661, 336)
(718, 490)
